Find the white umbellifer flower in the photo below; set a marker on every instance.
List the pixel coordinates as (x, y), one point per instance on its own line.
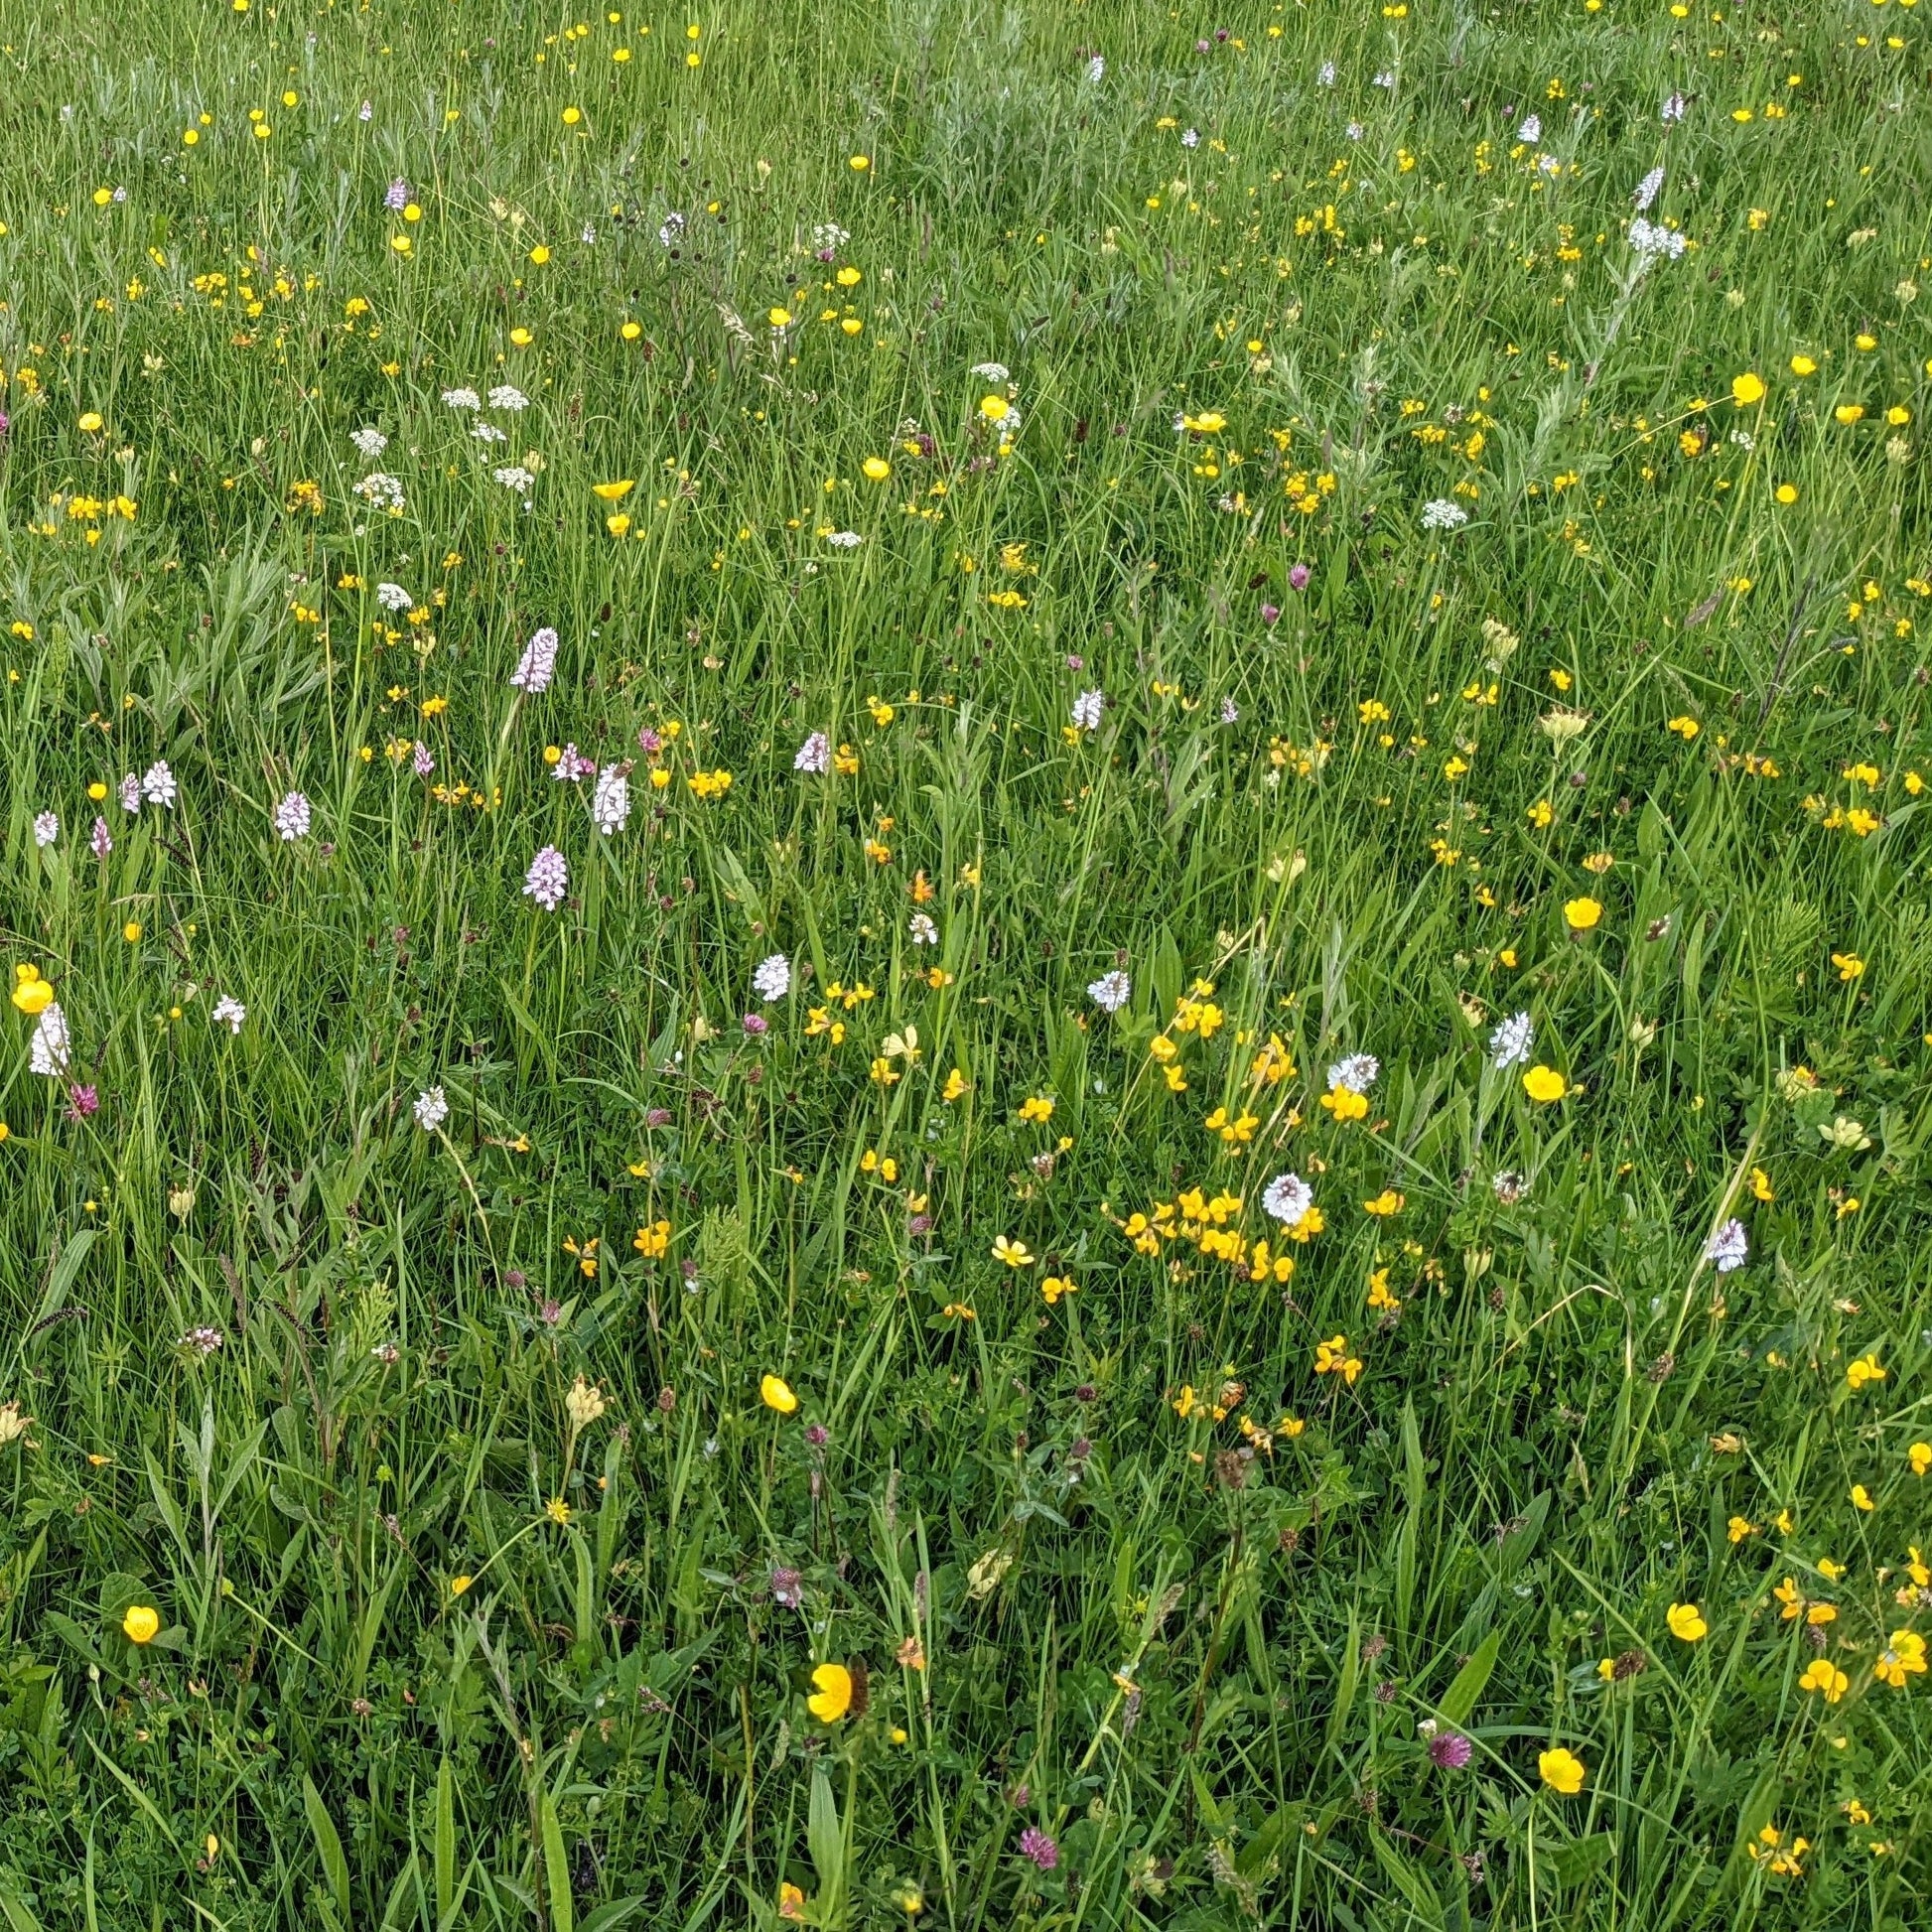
(1531, 129)
(814, 756)
(382, 490)
(1649, 237)
(158, 784)
(828, 234)
(292, 818)
(610, 801)
(432, 1109)
(513, 476)
(1357, 1072)
(371, 441)
(46, 828)
(993, 372)
(462, 398)
(1111, 991)
(1647, 189)
(538, 665)
(924, 931)
(771, 980)
(392, 596)
(488, 433)
(1510, 1043)
(1728, 1249)
(1288, 1198)
(1442, 514)
(47, 1052)
(506, 395)
(844, 539)
(1087, 708)
(230, 1013)
(547, 880)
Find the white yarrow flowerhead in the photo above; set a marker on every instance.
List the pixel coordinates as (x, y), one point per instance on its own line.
(432, 1109)
(46, 828)
(230, 1013)
(292, 817)
(158, 784)
(370, 440)
(1728, 1249)
(610, 801)
(1439, 513)
(1510, 1043)
(392, 596)
(547, 880)
(1111, 991)
(772, 979)
(462, 398)
(47, 1052)
(814, 756)
(844, 539)
(538, 665)
(506, 395)
(1287, 1197)
(1087, 708)
(1357, 1072)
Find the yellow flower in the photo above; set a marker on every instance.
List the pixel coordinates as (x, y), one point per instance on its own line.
(35, 995)
(1346, 1104)
(775, 1393)
(91, 421)
(995, 408)
(613, 493)
(1746, 389)
(1543, 1084)
(1848, 965)
(459, 1585)
(1741, 1527)
(833, 1697)
(791, 1902)
(1864, 1369)
(1036, 1107)
(1561, 1770)
(778, 318)
(876, 469)
(1861, 1496)
(1387, 1202)
(1920, 1458)
(1803, 365)
(140, 1623)
(1055, 1286)
(956, 1084)
(1014, 1253)
(1580, 914)
(1823, 1676)
(1687, 1622)
(1332, 1357)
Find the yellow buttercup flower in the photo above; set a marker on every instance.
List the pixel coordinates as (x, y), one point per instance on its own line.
(1582, 914)
(775, 1393)
(1543, 1084)
(1562, 1770)
(1687, 1622)
(141, 1624)
(833, 1696)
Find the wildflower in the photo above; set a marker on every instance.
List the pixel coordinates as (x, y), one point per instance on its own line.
(1863, 1372)
(204, 1340)
(1111, 991)
(538, 665)
(814, 756)
(771, 980)
(833, 1696)
(791, 1901)
(1449, 1751)
(46, 828)
(610, 800)
(158, 784)
(1746, 389)
(231, 1013)
(1687, 1622)
(1561, 1770)
(1672, 110)
(1287, 1199)
(1648, 190)
(1530, 130)
(1332, 1357)
(130, 794)
(46, 1050)
(292, 817)
(13, 1425)
(1582, 914)
(432, 1109)
(787, 1587)
(506, 395)
(1543, 1084)
(775, 1393)
(1511, 1042)
(103, 841)
(1015, 1254)
(1902, 1657)
(393, 597)
(1087, 708)
(1038, 1848)
(1824, 1677)
(1653, 238)
(1053, 1286)
(547, 878)
(371, 441)
(584, 1404)
(140, 1624)
(462, 400)
(923, 932)
(1727, 1250)
(1442, 514)
(1919, 1456)
(844, 539)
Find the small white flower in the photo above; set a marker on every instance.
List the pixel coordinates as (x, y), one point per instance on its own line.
(506, 395)
(814, 756)
(488, 433)
(588, 235)
(158, 784)
(513, 476)
(1096, 71)
(1672, 110)
(671, 230)
(993, 372)
(1647, 189)
(46, 828)
(772, 979)
(1547, 164)
(1649, 237)
(370, 440)
(1442, 514)
(292, 817)
(366, 113)
(1111, 991)
(1357, 1072)
(547, 880)
(1385, 79)
(1324, 74)
(1354, 130)
(610, 801)
(1087, 709)
(844, 539)
(230, 1013)
(382, 490)
(1510, 1043)
(1288, 1198)
(393, 597)
(924, 931)
(432, 1109)
(1191, 138)
(462, 398)
(1727, 1250)
(1530, 130)
(47, 1052)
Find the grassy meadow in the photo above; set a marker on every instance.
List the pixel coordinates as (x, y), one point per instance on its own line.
(970, 966)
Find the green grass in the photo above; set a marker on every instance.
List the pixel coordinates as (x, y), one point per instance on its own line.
(434, 1648)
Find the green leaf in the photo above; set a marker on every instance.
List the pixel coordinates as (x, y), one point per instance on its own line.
(329, 1848)
(556, 1870)
(1468, 1683)
(445, 1841)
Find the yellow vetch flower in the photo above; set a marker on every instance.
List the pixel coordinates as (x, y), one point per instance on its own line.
(1824, 1677)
